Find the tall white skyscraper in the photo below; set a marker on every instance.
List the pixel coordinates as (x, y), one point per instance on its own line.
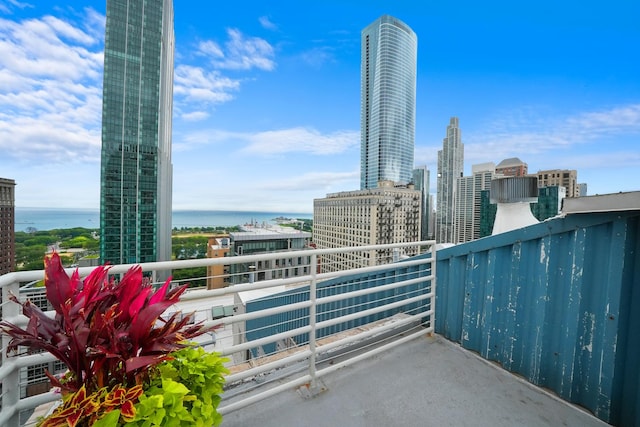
(388, 71)
(136, 170)
(450, 169)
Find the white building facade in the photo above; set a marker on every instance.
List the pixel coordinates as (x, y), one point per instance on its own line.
(468, 202)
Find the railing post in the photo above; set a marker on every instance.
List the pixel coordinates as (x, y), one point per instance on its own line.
(432, 304)
(312, 321)
(10, 383)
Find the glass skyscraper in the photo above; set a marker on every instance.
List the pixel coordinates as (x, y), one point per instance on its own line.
(136, 171)
(388, 71)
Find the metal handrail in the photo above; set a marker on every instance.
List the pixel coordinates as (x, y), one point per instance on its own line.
(421, 269)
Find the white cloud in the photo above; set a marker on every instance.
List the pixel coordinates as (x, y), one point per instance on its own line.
(94, 23)
(194, 116)
(528, 132)
(618, 160)
(195, 138)
(51, 84)
(48, 48)
(272, 142)
(20, 4)
(196, 84)
(210, 48)
(50, 90)
(547, 140)
(8, 6)
(426, 155)
(318, 56)
(289, 192)
(240, 52)
(64, 30)
(618, 120)
(311, 180)
(266, 23)
(301, 139)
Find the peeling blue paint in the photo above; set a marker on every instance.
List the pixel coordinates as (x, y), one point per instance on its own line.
(553, 302)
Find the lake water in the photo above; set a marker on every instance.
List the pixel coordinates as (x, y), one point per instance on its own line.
(49, 219)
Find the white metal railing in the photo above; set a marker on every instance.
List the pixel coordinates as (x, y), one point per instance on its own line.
(288, 327)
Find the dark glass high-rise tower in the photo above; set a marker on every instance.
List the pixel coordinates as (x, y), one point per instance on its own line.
(421, 181)
(136, 171)
(388, 69)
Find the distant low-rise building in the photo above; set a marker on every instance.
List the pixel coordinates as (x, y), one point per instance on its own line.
(265, 239)
(582, 189)
(567, 178)
(89, 261)
(218, 275)
(386, 214)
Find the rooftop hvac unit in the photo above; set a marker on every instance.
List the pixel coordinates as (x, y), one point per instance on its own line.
(513, 195)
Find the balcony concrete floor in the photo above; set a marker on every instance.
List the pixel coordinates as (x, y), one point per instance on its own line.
(426, 382)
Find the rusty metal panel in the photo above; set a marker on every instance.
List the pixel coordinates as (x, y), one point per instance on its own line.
(553, 302)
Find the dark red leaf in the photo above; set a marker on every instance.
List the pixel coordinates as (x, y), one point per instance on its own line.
(139, 362)
(56, 281)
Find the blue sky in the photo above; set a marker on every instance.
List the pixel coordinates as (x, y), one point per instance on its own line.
(267, 96)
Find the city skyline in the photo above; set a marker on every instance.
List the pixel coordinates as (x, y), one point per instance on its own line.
(267, 105)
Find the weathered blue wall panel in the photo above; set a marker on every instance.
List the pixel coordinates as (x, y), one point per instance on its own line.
(451, 298)
(554, 303)
(626, 401)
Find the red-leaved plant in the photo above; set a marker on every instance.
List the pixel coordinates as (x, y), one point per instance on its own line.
(108, 333)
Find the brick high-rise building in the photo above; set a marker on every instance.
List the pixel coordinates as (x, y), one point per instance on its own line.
(7, 226)
(512, 167)
(385, 214)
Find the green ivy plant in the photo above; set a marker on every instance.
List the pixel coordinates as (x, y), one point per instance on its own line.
(184, 391)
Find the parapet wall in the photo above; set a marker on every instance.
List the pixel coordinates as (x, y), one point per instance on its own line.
(553, 302)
